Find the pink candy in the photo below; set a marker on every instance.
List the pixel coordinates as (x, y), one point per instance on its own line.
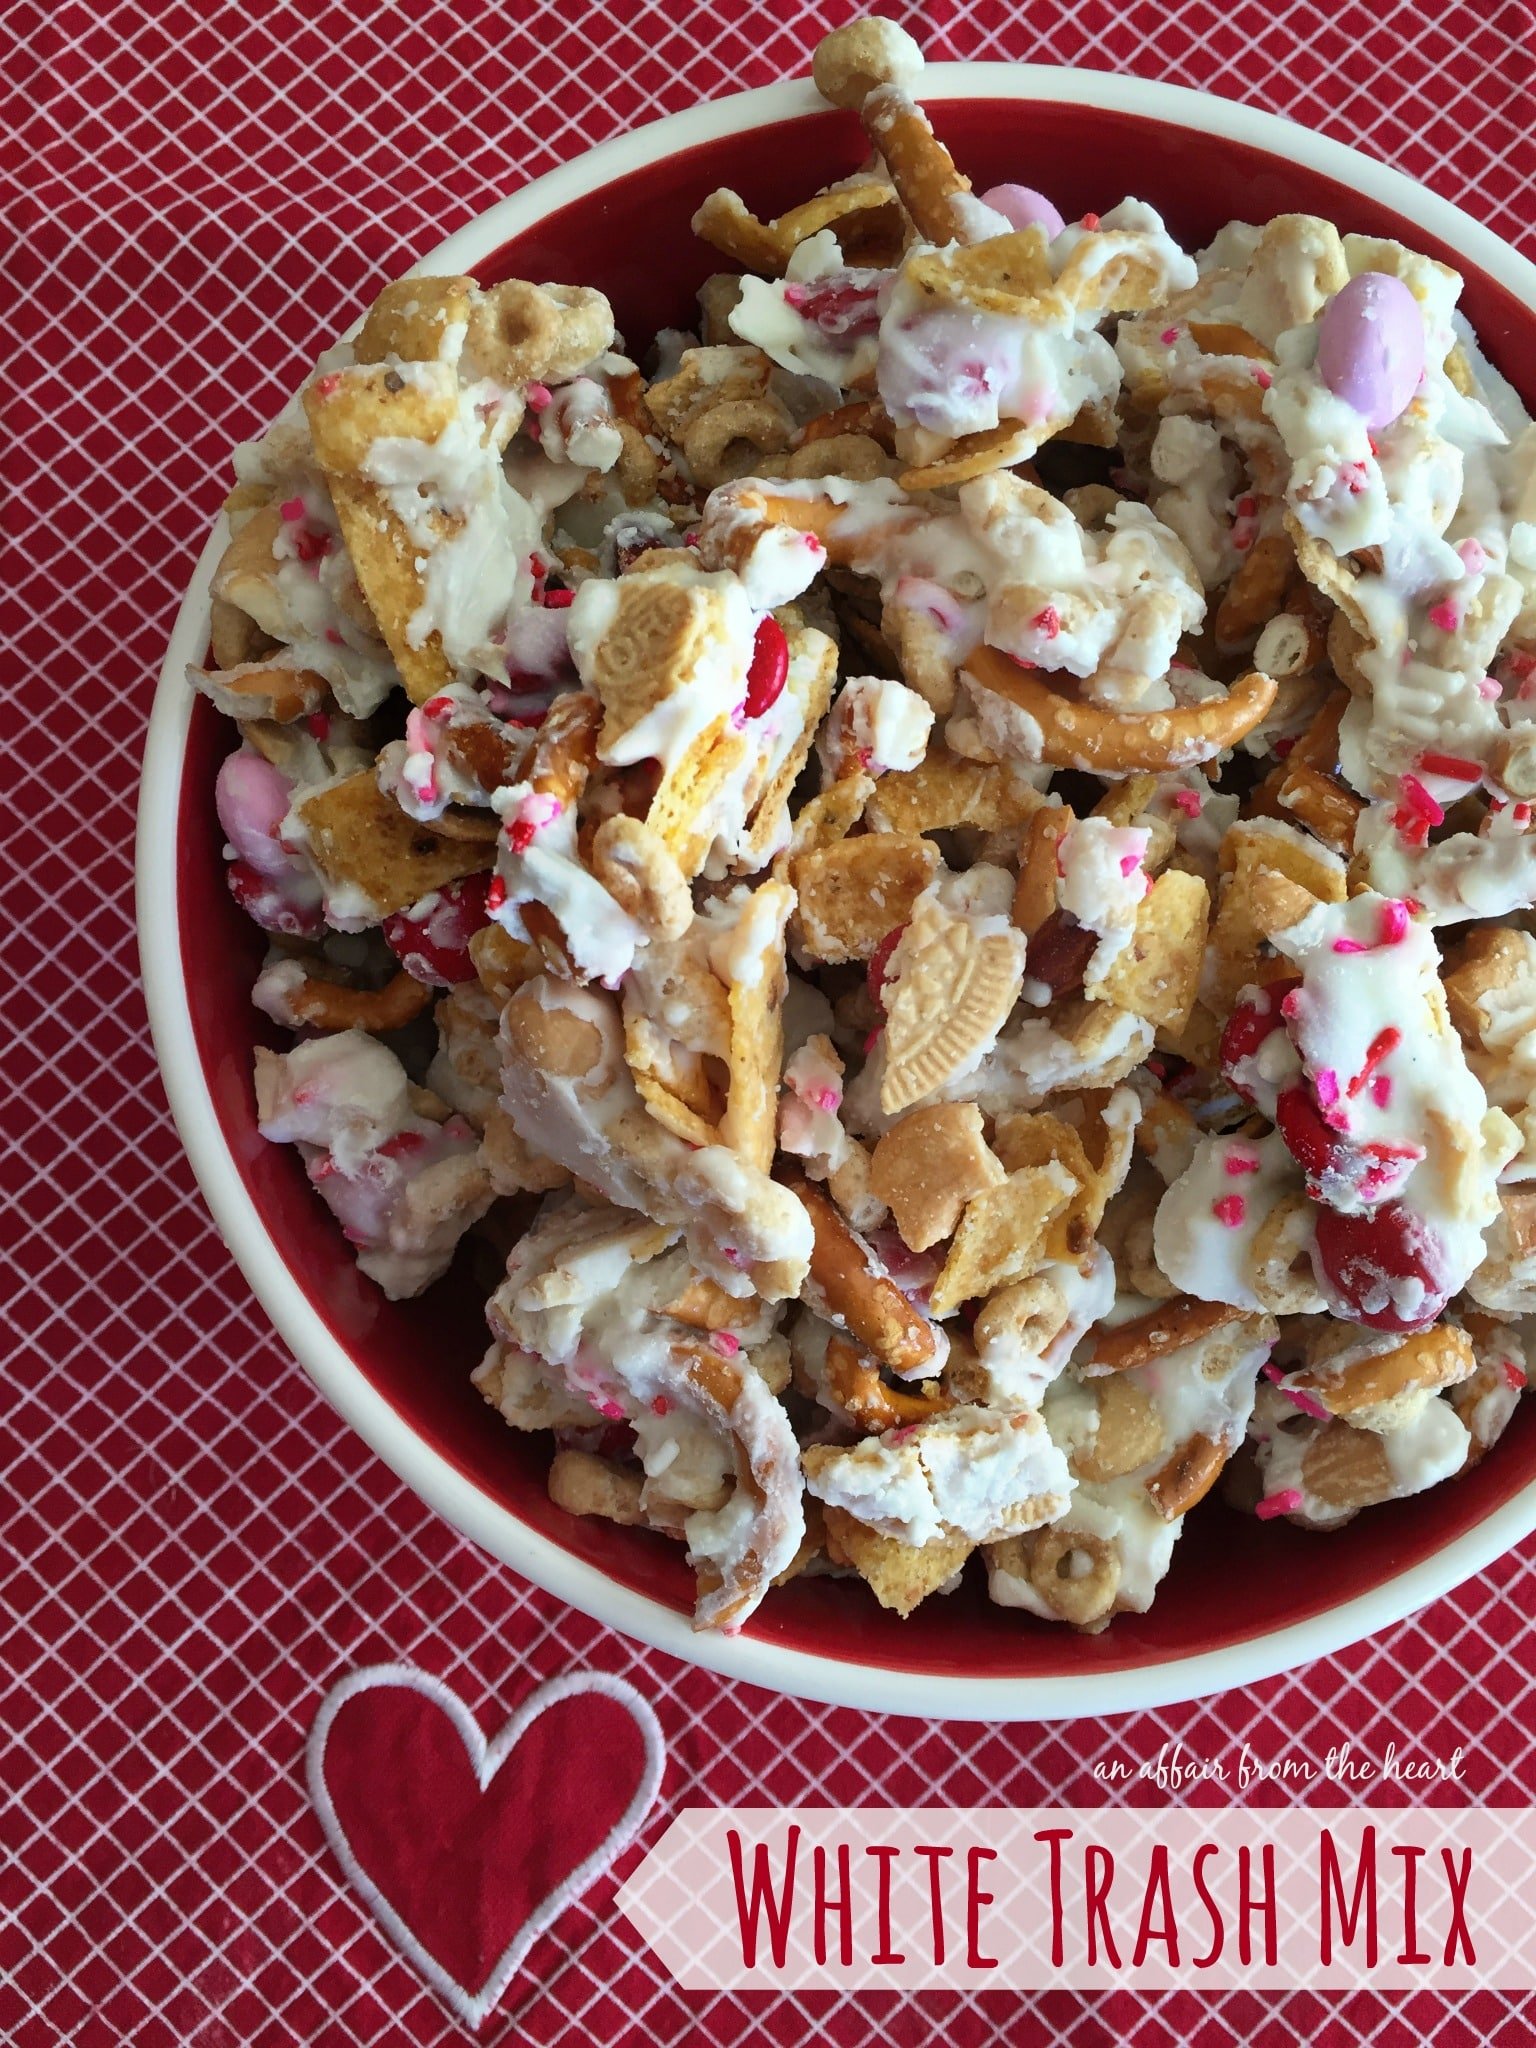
(252, 800)
(1023, 207)
(1230, 1211)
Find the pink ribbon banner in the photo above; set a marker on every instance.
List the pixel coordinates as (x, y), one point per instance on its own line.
(1331, 1898)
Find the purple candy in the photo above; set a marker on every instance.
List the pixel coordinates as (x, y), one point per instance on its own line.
(1370, 346)
(1023, 207)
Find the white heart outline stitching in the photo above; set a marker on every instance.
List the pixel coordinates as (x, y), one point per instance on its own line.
(486, 1758)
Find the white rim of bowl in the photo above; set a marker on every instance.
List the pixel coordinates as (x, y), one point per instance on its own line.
(875, 1687)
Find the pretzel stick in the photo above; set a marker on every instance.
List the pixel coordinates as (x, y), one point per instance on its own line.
(337, 1008)
(854, 1380)
(870, 1306)
(1164, 1328)
(921, 168)
(1077, 735)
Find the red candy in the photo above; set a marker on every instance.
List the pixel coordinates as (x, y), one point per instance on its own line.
(879, 965)
(265, 902)
(1362, 1256)
(1314, 1147)
(435, 948)
(839, 309)
(769, 670)
(1250, 1024)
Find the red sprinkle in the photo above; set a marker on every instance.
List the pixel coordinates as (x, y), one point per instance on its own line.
(1189, 802)
(1263, 379)
(1246, 506)
(1418, 800)
(1047, 622)
(726, 1344)
(1381, 1090)
(1455, 766)
(327, 387)
(1090, 221)
(495, 895)
(1230, 1211)
(1170, 335)
(1381, 1047)
(319, 725)
(1241, 1162)
(1514, 1374)
(557, 600)
(661, 1405)
(292, 509)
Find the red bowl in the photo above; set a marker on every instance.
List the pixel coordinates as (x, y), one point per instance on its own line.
(1243, 1599)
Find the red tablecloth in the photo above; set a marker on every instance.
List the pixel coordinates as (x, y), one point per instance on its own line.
(198, 1548)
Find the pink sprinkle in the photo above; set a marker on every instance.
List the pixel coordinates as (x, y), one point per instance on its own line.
(725, 1343)
(1327, 1088)
(1189, 801)
(1445, 616)
(1241, 1162)
(1129, 863)
(1381, 1090)
(732, 1255)
(1419, 800)
(661, 1405)
(1348, 946)
(1394, 924)
(539, 395)
(1290, 1005)
(1279, 1504)
(1047, 621)
(1090, 221)
(1307, 1403)
(329, 385)
(1354, 477)
(1490, 688)
(1242, 542)
(1170, 335)
(1230, 1211)
(1262, 378)
(292, 509)
(1474, 558)
(828, 1099)
(611, 1409)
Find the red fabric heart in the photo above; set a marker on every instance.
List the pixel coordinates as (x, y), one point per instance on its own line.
(464, 1849)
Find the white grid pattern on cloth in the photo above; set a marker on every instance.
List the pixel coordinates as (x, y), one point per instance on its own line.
(197, 1547)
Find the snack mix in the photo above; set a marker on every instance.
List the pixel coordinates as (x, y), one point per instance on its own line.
(947, 895)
